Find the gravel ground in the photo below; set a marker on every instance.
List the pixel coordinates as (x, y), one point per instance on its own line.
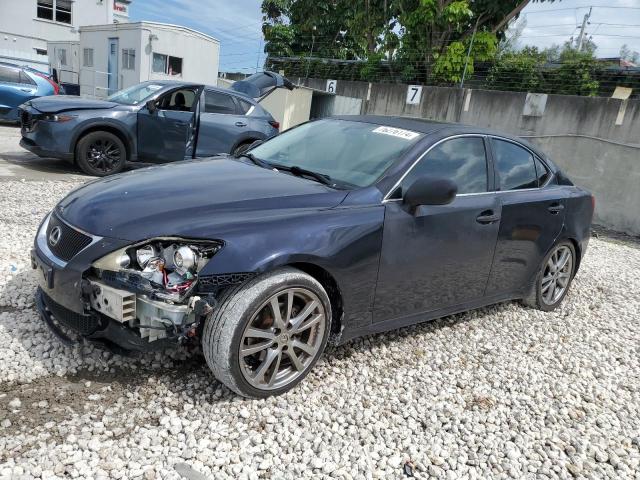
(502, 392)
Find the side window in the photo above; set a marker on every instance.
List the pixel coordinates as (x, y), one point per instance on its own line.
(9, 75)
(26, 79)
(514, 165)
(180, 100)
(462, 160)
(542, 171)
(244, 106)
(216, 102)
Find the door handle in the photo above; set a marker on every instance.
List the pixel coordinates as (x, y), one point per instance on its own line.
(28, 90)
(241, 124)
(487, 217)
(555, 208)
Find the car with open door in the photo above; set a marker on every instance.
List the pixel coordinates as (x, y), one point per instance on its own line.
(154, 121)
(336, 228)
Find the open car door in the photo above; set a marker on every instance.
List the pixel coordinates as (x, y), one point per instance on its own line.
(261, 84)
(167, 126)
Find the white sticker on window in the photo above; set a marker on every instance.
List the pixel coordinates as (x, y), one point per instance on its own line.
(397, 132)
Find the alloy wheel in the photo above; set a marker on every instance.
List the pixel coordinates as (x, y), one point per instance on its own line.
(282, 339)
(103, 155)
(557, 275)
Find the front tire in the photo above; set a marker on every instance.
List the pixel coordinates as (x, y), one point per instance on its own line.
(266, 335)
(101, 154)
(554, 278)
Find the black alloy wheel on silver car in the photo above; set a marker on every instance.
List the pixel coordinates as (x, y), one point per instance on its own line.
(101, 154)
(266, 335)
(554, 278)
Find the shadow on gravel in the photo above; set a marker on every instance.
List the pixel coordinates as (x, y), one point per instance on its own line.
(99, 368)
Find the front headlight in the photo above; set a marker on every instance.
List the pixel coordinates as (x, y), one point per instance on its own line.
(167, 262)
(58, 117)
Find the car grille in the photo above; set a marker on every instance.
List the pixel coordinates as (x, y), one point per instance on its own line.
(69, 240)
(82, 324)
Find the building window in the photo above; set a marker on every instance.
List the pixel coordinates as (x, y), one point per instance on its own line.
(87, 57)
(175, 66)
(55, 10)
(128, 59)
(62, 57)
(166, 64)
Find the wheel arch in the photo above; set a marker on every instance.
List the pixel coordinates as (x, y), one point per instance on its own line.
(330, 285)
(578, 250)
(103, 127)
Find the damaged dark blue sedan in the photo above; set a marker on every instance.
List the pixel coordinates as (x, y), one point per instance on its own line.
(338, 228)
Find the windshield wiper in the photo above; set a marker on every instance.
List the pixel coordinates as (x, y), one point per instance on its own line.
(254, 159)
(300, 172)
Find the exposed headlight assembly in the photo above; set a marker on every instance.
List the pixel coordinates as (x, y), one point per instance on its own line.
(169, 265)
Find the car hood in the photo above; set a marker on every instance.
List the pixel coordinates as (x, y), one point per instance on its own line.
(64, 103)
(194, 199)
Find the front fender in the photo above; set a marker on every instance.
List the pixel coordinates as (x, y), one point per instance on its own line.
(119, 121)
(343, 241)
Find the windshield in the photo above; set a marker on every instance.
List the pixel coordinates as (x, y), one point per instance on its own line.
(352, 153)
(136, 94)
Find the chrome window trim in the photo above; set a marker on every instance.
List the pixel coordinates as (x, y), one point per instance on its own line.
(250, 111)
(386, 198)
(43, 244)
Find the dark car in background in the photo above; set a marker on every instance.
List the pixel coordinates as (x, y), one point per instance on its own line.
(155, 122)
(337, 228)
(19, 84)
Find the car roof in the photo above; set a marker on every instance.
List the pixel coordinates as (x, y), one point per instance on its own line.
(429, 127)
(12, 65)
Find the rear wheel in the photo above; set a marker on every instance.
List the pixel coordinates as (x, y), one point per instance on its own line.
(101, 154)
(265, 336)
(554, 278)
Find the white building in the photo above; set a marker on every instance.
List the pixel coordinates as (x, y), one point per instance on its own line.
(113, 57)
(27, 25)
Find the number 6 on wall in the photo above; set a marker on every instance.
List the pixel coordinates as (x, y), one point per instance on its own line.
(332, 85)
(414, 94)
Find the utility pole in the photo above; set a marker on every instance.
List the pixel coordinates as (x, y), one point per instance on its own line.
(584, 25)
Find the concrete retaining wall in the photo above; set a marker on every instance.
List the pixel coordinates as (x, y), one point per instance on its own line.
(595, 140)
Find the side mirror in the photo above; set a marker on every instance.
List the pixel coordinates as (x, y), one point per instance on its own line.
(151, 106)
(430, 191)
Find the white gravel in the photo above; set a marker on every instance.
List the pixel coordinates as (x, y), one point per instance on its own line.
(503, 392)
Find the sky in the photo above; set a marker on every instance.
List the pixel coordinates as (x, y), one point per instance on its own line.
(237, 24)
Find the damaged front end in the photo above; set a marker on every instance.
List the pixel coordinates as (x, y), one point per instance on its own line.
(151, 289)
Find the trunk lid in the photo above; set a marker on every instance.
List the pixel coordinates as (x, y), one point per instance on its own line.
(261, 84)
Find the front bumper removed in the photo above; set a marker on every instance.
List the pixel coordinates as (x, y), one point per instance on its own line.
(71, 327)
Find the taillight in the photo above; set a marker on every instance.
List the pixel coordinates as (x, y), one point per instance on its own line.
(56, 87)
(593, 203)
(274, 124)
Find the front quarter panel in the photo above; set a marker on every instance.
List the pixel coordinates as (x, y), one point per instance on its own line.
(343, 241)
